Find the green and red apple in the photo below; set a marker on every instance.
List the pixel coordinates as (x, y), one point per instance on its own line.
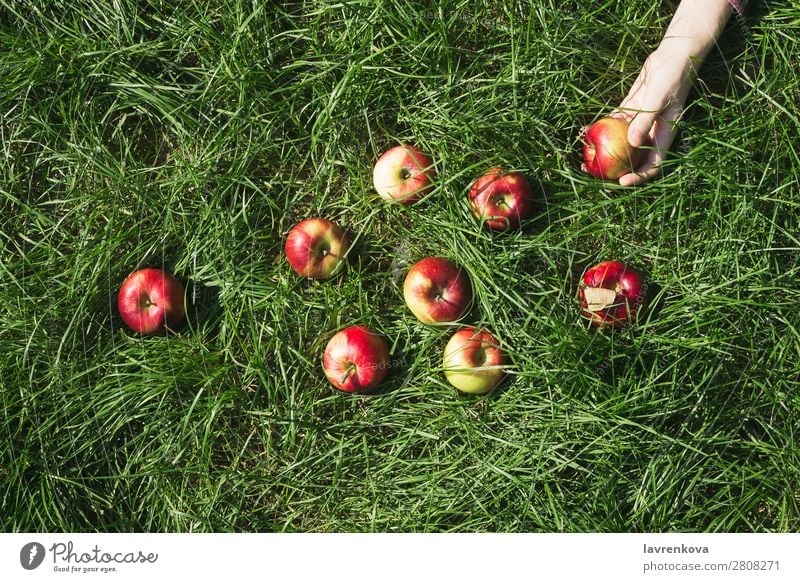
(607, 153)
(437, 290)
(500, 199)
(474, 362)
(316, 248)
(403, 174)
(356, 359)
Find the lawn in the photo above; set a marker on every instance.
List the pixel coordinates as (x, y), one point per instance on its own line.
(192, 135)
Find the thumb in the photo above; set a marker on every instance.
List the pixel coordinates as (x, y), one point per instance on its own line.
(639, 130)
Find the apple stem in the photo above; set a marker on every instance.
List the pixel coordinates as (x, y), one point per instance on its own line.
(347, 372)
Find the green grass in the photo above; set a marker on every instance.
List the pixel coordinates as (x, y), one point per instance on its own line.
(193, 134)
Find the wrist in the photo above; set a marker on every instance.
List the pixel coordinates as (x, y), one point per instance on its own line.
(695, 28)
(688, 51)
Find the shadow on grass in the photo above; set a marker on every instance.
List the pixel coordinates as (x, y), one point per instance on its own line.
(203, 310)
(540, 216)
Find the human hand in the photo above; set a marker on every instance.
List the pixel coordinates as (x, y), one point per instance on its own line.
(654, 105)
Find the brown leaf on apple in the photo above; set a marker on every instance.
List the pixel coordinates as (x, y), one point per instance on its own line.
(598, 298)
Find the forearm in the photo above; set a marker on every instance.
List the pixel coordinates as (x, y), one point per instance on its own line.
(696, 26)
(655, 102)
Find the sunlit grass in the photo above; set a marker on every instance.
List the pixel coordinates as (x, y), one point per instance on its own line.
(193, 135)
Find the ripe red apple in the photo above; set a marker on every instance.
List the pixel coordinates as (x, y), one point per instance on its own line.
(151, 300)
(403, 174)
(612, 294)
(474, 362)
(437, 291)
(501, 200)
(316, 248)
(356, 359)
(607, 154)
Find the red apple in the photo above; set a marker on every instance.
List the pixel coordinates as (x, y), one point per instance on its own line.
(356, 359)
(403, 174)
(474, 362)
(316, 248)
(151, 300)
(607, 154)
(612, 294)
(501, 200)
(437, 291)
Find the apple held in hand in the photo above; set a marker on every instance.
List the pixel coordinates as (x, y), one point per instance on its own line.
(151, 300)
(436, 290)
(316, 248)
(473, 361)
(501, 200)
(403, 174)
(607, 154)
(356, 359)
(612, 294)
